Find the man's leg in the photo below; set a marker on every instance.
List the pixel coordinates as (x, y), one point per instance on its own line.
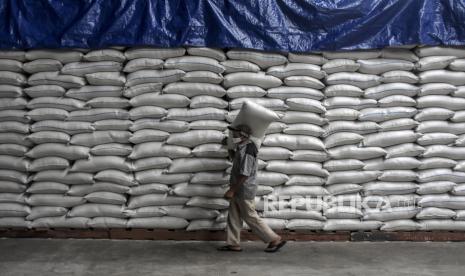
(253, 220)
(234, 224)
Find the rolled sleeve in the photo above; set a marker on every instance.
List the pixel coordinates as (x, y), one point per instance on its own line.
(247, 165)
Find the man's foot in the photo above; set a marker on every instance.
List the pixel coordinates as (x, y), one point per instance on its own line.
(230, 248)
(274, 246)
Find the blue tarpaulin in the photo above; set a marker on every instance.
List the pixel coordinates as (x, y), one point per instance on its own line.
(280, 25)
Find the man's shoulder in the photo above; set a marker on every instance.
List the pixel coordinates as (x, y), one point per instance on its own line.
(251, 149)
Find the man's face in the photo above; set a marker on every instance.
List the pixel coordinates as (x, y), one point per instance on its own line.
(236, 134)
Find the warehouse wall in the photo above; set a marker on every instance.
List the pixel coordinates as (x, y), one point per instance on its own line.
(121, 138)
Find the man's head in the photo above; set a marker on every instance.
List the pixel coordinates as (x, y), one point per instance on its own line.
(240, 132)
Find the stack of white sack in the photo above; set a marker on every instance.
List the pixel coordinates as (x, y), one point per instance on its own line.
(52, 155)
(108, 144)
(80, 129)
(293, 147)
(179, 160)
(389, 197)
(441, 122)
(14, 128)
(349, 75)
(133, 138)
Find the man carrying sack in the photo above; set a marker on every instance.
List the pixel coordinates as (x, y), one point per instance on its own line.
(242, 193)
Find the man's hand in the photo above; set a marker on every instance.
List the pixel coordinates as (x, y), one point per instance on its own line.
(229, 194)
(235, 186)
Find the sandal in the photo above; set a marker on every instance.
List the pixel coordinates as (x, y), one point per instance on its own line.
(229, 248)
(275, 248)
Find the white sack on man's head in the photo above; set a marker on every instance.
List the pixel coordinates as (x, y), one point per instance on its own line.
(257, 117)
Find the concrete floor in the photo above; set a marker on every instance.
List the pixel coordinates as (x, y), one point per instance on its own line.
(22, 257)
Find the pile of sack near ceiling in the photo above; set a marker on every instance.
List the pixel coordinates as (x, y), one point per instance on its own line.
(117, 138)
